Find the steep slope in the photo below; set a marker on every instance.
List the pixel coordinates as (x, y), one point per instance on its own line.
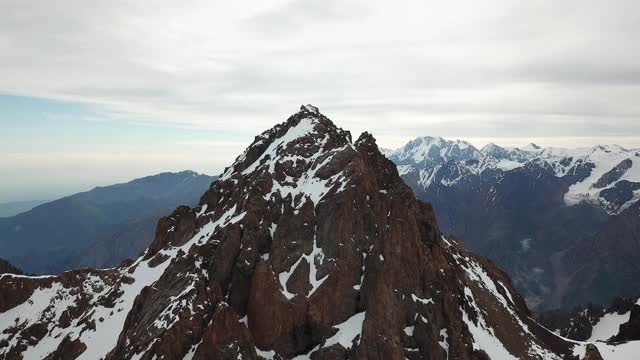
(524, 208)
(310, 246)
(54, 236)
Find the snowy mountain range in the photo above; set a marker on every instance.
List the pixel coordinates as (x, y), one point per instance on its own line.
(529, 208)
(606, 176)
(309, 246)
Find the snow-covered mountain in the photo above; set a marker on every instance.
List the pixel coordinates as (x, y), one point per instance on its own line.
(310, 246)
(527, 208)
(607, 176)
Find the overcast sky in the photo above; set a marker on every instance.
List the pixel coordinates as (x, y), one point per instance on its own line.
(94, 92)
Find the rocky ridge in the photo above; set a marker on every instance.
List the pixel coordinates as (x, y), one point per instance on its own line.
(310, 246)
(607, 176)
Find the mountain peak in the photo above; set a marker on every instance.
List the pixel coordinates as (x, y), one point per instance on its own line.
(491, 148)
(303, 138)
(310, 109)
(430, 139)
(366, 137)
(430, 150)
(531, 147)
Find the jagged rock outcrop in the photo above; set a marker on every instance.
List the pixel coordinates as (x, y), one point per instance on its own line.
(592, 353)
(309, 246)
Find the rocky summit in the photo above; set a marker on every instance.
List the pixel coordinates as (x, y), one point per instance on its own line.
(310, 246)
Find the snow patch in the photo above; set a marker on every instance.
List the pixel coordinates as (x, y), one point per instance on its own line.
(202, 211)
(444, 343)
(404, 169)
(421, 300)
(608, 326)
(316, 253)
(506, 165)
(483, 336)
(409, 330)
(347, 331)
(269, 355)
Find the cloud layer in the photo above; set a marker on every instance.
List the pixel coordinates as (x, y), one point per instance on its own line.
(564, 72)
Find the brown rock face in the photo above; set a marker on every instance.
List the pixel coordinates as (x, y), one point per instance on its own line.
(592, 353)
(309, 246)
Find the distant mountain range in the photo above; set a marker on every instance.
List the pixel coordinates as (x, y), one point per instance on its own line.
(97, 228)
(16, 207)
(560, 221)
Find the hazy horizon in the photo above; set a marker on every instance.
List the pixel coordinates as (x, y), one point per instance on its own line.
(72, 188)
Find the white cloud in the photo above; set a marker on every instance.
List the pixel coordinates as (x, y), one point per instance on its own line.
(489, 69)
(202, 62)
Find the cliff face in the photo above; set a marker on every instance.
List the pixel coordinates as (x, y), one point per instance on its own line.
(309, 246)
